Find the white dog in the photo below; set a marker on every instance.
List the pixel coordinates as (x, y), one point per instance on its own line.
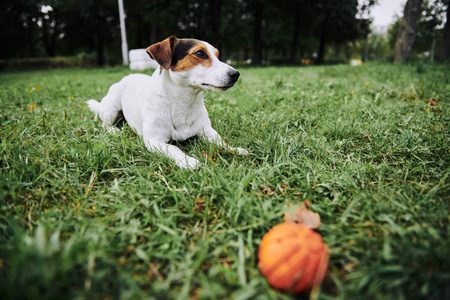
(169, 104)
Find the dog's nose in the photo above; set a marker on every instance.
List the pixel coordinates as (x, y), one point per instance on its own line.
(234, 75)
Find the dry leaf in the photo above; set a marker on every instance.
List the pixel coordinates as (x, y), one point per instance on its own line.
(199, 205)
(154, 271)
(213, 160)
(302, 215)
(32, 107)
(282, 188)
(265, 191)
(226, 262)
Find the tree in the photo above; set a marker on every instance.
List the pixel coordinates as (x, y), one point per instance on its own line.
(215, 15)
(50, 24)
(19, 36)
(444, 51)
(337, 24)
(364, 8)
(92, 26)
(428, 31)
(429, 27)
(407, 31)
(277, 31)
(258, 8)
(300, 18)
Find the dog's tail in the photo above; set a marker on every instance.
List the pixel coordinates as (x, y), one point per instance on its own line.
(94, 106)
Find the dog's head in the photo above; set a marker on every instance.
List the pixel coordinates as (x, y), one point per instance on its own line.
(193, 63)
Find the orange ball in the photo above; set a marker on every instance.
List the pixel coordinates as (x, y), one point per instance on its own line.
(293, 257)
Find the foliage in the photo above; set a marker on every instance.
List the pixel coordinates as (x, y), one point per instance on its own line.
(429, 28)
(82, 60)
(89, 214)
(275, 30)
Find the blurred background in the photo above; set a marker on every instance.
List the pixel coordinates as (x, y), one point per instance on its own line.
(40, 33)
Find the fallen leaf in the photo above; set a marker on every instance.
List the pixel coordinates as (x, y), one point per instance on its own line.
(199, 205)
(283, 187)
(213, 160)
(154, 271)
(32, 107)
(432, 102)
(302, 215)
(78, 132)
(265, 191)
(226, 262)
(348, 268)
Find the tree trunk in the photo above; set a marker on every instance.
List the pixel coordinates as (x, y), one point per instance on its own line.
(55, 33)
(366, 48)
(321, 53)
(257, 55)
(322, 41)
(154, 34)
(100, 57)
(296, 32)
(215, 22)
(45, 37)
(324, 23)
(444, 51)
(30, 33)
(407, 31)
(49, 37)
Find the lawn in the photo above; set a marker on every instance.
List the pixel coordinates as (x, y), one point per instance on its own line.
(90, 214)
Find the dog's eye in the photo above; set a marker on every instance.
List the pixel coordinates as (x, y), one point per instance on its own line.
(201, 54)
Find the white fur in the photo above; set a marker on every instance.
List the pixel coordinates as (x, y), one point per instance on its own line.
(167, 106)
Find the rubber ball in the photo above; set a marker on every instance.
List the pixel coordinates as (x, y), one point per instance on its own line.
(293, 258)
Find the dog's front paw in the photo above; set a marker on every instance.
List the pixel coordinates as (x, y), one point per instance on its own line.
(189, 163)
(241, 151)
(111, 129)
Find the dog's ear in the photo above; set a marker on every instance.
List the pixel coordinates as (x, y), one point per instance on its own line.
(162, 52)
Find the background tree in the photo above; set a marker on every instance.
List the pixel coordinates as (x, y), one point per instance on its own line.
(444, 51)
(428, 32)
(277, 32)
(50, 21)
(429, 27)
(337, 24)
(407, 31)
(91, 26)
(257, 7)
(19, 34)
(364, 10)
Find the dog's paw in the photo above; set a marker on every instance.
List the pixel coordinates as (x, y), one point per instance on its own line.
(189, 163)
(241, 151)
(111, 129)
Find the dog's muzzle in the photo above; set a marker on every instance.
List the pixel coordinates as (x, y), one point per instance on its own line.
(229, 81)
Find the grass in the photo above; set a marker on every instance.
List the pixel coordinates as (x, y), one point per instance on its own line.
(88, 214)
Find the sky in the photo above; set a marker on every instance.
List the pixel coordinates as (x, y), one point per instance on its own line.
(384, 13)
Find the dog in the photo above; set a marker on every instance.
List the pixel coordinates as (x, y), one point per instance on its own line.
(169, 104)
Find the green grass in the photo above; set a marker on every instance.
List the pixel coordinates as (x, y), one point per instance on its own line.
(88, 214)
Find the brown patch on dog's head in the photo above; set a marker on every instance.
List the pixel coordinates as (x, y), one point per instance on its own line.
(162, 52)
(181, 54)
(190, 53)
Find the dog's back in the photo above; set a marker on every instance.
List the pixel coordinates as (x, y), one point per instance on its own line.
(111, 106)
